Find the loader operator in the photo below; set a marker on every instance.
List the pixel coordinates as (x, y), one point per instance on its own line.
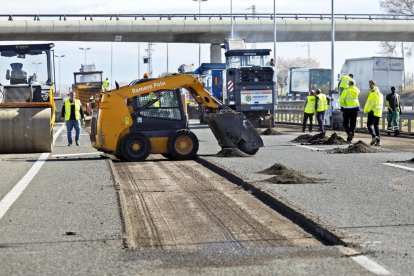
(72, 114)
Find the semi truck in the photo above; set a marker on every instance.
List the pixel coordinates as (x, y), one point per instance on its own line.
(302, 79)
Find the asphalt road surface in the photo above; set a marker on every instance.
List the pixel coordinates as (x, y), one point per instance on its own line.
(75, 212)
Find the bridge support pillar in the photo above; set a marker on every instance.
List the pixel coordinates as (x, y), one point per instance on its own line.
(215, 53)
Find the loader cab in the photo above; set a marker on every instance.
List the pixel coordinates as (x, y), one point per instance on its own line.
(161, 111)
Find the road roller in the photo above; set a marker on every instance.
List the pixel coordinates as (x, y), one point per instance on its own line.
(27, 106)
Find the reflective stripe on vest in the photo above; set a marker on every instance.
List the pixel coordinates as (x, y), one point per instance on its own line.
(349, 97)
(68, 109)
(322, 103)
(310, 106)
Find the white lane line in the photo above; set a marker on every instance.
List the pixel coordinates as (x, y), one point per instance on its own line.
(370, 265)
(76, 154)
(399, 166)
(10, 198)
(307, 147)
(364, 261)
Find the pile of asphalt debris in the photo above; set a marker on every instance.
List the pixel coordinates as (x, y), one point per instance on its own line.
(269, 131)
(358, 147)
(284, 175)
(231, 152)
(320, 139)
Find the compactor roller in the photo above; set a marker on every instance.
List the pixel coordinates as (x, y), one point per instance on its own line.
(27, 107)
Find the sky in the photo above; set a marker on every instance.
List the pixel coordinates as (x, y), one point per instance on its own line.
(125, 65)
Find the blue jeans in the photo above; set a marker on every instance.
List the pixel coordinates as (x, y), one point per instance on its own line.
(69, 126)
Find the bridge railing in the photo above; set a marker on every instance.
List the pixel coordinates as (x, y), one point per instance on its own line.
(291, 112)
(171, 16)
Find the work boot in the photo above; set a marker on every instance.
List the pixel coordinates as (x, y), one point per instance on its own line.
(377, 142)
(69, 144)
(77, 143)
(396, 132)
(374, 140)
(350, 137)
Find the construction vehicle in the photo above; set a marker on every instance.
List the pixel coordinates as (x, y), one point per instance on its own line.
(250, 82)
(149, 117)
(27, 107)
(87, 83)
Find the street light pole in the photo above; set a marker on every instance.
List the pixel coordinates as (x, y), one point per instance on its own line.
(60, 80)
(332, 45)
(231, 18)
(199, 17)
(84, 49)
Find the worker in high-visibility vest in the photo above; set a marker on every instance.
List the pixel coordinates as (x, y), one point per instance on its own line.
(344, 82)
(310, 108)
(105, 85)
(321, 107)
(373, 107)
(349, 103)
(72, 113)
(393, 103)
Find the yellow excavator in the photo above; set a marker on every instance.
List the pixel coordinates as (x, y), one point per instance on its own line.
(27, 106)
(148, 116)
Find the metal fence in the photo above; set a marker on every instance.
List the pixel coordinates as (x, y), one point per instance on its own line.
(291, 112)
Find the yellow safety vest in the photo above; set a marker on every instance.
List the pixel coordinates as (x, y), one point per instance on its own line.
(349, 97)
(374, 102)
(105, 85)
(68, 109)
(322, 104)
(344, 82)
(310, 106)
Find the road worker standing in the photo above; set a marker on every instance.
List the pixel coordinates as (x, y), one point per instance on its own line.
(393, 103)
(344, 82)
(349, 103)
(310, 108)
(105, 85)
(321, 107)
(373, 107)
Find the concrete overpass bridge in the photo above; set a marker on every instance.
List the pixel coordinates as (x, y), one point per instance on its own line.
(204, 28)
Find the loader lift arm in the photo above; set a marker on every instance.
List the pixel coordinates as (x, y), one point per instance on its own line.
(115, 120)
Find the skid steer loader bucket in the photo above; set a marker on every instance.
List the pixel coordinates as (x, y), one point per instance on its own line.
(233, 130)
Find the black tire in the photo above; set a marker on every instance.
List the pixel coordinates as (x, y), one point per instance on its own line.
(183, 145)
(243, 146)
(135, 147)
(166, 155)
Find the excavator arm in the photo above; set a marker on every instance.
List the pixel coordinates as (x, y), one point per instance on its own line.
(231, 129)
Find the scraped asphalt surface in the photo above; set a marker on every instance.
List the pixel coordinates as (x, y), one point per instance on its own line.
(372, 203)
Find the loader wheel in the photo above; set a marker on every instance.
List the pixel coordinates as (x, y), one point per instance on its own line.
(243, 146)
(135, 147)
(183, 145)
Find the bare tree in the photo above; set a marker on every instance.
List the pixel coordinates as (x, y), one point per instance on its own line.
(403, 7)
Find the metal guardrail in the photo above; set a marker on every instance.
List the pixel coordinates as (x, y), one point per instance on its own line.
(295, 116)
(246, 16)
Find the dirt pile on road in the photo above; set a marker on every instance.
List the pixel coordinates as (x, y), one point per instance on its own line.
(231, 152)
(320, 139)
(304, 138)
(358, 147)
(271, 131)
(284, 175)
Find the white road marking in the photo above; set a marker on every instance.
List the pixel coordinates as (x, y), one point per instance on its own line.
(364, 261)
(10, 198)
(399, 166)
(76, 154)
(370, 265)
(307, 147)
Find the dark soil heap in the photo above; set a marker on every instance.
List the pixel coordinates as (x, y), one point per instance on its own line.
(304, 138)
(271, 131)
(231, 152)
(320, 139)
(284, 175)
(358, 147)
